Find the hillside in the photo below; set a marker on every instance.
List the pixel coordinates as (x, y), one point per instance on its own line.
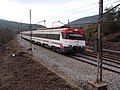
(112, 41)
(9, 29)
(17, 25)
(84, 21)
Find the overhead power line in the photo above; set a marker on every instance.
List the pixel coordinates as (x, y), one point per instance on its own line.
(111, 9)
(112, 3)
(92, 4)
(80, 8)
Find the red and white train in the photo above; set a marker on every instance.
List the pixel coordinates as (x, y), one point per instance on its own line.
(63, 40)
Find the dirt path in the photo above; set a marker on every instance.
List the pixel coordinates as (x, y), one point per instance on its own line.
(20, 72)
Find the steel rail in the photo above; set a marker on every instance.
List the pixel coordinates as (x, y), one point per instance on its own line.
(92, 62)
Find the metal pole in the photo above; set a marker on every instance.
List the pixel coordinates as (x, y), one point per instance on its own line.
(30, 32)
(44, 22)
(21, 31)
(68, 22)
(98, 52)
(98, 67)
(21, 25)
(100, 38)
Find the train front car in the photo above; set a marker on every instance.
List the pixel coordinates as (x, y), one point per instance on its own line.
(73, 40)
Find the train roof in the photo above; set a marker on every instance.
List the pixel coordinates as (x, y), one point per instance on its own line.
(61, 29)
(54, 27)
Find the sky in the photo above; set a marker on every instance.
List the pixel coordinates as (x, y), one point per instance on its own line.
(50, 10)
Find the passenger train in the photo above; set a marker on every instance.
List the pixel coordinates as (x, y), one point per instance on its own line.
(63, 39)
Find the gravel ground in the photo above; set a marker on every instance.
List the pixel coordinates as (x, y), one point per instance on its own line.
(75, 70)
(21, 72)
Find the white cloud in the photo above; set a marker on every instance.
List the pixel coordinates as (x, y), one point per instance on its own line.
(12, 11)
(49, 10)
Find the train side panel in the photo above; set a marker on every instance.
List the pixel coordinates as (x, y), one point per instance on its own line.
(55, 40)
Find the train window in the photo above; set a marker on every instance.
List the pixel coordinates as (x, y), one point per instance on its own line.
(65, 35)
(48, 36)
(73, 36)
(76, 36)
(53, 36)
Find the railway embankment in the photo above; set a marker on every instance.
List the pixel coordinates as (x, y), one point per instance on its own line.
(18, 71)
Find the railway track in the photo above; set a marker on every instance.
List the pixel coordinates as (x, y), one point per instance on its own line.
(111, 64)
(105, 55)
(107, 64)
(111, 54)
(90, 58)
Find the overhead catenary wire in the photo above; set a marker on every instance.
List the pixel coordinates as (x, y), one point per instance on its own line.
(85, 6)
(70, 12)
(106, 5)
(92, 8)
(81, 10)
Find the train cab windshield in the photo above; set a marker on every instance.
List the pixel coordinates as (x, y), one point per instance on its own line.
(73, 36)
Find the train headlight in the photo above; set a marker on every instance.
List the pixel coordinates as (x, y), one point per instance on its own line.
(76, 29)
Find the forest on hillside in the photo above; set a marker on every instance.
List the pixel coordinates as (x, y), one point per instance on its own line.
(5, 36)
(5, 24)
(111, 24)
(9, 29)
(111, 30)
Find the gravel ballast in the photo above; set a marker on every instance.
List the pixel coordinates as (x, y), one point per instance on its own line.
(75, 70)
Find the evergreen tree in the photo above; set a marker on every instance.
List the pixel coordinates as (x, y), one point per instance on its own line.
(111, 21)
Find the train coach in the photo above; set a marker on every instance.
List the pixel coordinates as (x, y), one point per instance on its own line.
(63, 40)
